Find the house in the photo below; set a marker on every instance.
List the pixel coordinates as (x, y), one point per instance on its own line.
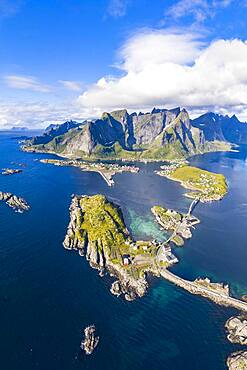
(165, 255)
(126, 259)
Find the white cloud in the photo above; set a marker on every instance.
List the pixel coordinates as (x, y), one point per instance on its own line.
(26, 83)
(171, 69)
(71, 85)
(36, 114)
(117, 8)
(156, 47)
(199, 10)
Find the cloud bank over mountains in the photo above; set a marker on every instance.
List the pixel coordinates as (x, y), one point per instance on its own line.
(171, 68)
(154, 68)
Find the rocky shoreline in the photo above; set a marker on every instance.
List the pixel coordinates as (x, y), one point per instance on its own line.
(126, 286)
(237, 361)
(237, 329)
(206, 186)
(90, 341)
(17, 203)
(131, 282)
(180, 224)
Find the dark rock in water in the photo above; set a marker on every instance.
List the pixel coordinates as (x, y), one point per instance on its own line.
(90, 341)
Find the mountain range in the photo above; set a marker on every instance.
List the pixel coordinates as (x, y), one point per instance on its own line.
(223, 128)
(161, 134)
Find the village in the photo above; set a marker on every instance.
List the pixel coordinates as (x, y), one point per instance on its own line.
(106, 170)
(143, 253)
(207, 186)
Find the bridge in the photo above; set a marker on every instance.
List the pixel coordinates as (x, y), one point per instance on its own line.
(192, 206)
(195, 288)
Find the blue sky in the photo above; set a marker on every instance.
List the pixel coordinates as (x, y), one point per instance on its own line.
(65, 59)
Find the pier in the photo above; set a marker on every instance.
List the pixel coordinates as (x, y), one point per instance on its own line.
(107, 177)
(195, 288)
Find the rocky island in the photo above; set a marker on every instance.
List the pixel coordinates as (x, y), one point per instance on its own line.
(106, 170)
(180, 224)
(207, 186)
(97, 230)
(237, 361)
(90, 341)
(10, 171)
(17, 203)
(237, 329)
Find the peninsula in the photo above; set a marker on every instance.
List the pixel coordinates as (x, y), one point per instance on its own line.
(17, 203)
(97, 230)
(106, 170)
(207, 186)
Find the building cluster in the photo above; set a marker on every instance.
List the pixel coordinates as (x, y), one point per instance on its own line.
(149, 252)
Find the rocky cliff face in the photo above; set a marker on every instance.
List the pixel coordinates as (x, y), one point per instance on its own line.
(223, 128)
(53, 131)
(161, 134)
(97, 230)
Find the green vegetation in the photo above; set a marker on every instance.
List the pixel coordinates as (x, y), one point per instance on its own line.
(207, 185)
(98, 225)
(178, 240)
(177, 222)
(162, 135)
(169, 217)
(102, 224)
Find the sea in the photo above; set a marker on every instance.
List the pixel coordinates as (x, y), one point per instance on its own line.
(48, 295)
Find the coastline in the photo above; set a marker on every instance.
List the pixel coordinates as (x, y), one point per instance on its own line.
(32, 149)
(106, 170)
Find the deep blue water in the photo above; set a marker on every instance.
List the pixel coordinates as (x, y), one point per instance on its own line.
(48, 295)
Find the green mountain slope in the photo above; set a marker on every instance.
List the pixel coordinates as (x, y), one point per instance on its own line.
(160, 135)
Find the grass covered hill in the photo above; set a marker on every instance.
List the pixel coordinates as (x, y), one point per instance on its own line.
(207, 186)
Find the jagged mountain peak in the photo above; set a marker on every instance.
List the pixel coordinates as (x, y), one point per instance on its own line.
(224, 128)
(159, 134)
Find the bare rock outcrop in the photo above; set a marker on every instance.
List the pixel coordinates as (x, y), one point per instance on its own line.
(237, 361)
(90, 341)
(237, 329)
(17, 203)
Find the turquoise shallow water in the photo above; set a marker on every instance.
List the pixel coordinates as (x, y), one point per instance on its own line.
(48, 295)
